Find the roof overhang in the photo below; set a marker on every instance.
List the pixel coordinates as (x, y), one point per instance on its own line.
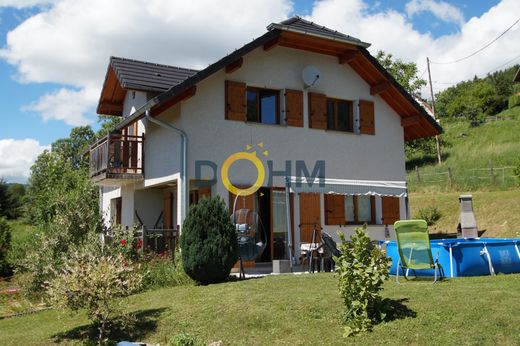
(417, 123)
(112, 95)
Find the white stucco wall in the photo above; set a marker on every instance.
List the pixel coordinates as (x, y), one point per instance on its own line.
(212, 137)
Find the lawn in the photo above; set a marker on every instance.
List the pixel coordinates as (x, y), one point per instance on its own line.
(301, 310)
(498, 212)
(470, 153)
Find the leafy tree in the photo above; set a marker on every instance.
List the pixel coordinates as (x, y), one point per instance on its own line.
(71, 148)
(4, 198)
(405, 73)
(208, 242)
(16, 199)
(5, 245)
(108, 124)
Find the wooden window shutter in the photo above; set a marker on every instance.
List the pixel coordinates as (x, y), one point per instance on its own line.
(235, 101)
(310, 217)
(366, 118)
(317, 111)
(391, 211)
(294, 107)
(334, 209)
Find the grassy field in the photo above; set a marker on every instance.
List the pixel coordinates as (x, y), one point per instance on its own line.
(300, 310)
(498, 212)
(471, 148)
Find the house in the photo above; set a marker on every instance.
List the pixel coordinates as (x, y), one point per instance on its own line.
(300, 104)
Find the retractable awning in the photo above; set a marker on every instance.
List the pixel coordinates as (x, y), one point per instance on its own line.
(348, 187)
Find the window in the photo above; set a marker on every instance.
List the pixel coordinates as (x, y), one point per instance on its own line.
(349, 209)
(263, 106)
(339, 115)
(360, 209)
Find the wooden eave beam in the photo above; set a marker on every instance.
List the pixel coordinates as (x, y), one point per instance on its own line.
(410, 121)
(271, 44)
(183, 96)
(235, 65)
(348, 57)
(380, 87)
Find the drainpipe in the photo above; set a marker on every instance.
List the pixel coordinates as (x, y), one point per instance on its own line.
(183, 199)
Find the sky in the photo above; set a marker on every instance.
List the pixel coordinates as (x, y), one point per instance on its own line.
(54, 53)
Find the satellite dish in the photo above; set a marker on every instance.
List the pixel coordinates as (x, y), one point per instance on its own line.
(311, 75)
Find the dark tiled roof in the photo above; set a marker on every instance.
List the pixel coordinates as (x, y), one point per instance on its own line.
(146, 76)
(304, 26)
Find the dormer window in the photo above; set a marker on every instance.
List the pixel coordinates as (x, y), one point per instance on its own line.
(263, 105)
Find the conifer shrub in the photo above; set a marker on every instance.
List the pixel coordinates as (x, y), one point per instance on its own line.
(208, 242)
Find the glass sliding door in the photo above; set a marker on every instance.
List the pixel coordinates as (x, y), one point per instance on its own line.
(278, 225)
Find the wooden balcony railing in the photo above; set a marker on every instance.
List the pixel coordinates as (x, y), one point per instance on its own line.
(117, 156)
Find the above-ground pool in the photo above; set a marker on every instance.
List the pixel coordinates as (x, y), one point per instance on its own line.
(467, 257)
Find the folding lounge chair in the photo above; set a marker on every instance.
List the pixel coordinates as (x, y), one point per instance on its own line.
(413, 243)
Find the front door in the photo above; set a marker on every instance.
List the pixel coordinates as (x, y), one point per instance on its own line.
(310, 217)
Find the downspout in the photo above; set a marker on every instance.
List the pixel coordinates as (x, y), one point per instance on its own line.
(184, 158)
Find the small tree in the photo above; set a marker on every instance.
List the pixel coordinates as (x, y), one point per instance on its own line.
(361, 269)
(5, 245)
(95, 282)
(208, 242)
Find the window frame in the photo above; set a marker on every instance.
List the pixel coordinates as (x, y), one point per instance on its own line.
(259, 91)
(356, 214)
(336, 102)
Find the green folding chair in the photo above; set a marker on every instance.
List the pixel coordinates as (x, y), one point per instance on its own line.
(413, 243)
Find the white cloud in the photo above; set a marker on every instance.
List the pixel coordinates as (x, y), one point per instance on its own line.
(440, 9)
(66, 105)
(393, 32)
(71, 41)
(17, 157)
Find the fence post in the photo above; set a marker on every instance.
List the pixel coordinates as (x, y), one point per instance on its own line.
(491, 171)
(418, 175)
(450, 176)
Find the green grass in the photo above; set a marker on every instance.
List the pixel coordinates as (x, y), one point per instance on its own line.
(301, 310)
(21, 231)
(498, 212)
(473, 148)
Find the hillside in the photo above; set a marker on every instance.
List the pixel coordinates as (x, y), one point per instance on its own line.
(480, 157)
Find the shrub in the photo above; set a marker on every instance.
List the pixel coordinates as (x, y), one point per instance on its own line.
(361, 269)
(163, 271)
(516, 171)
(95, 282)
(5, 246)
(430, 214)
(514, 101)
(208, 242)
(185, 339)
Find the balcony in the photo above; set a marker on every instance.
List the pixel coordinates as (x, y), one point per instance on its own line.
(116, 159)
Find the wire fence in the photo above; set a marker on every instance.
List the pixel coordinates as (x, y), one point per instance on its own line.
(469, 178)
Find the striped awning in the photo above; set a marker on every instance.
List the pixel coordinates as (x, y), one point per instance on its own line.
(349, 187)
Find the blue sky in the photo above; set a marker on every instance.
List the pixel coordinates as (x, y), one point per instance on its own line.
(50, 74)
